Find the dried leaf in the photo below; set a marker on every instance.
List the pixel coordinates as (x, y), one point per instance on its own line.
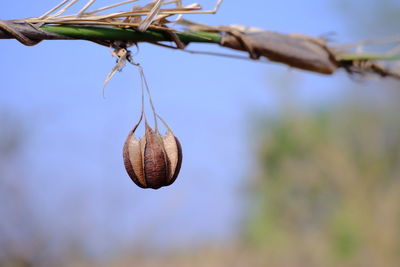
(151, 16)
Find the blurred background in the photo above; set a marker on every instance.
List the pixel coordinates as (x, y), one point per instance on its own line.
(281, 167)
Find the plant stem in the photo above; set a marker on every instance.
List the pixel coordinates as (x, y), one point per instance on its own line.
(366, 56)
(103, 33)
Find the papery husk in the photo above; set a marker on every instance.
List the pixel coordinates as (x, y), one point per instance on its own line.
(154, 160)
(173, 149)
(132, 154)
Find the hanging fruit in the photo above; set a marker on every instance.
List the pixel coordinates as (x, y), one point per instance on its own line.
(154, 160)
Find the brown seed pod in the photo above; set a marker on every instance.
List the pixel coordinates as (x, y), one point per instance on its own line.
(154, 160)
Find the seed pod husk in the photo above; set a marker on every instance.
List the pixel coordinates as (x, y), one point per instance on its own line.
(154, 160)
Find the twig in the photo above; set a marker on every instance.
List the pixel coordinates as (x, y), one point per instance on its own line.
(294, 50)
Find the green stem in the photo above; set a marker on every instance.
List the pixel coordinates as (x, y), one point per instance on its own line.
(119, 34)
(366, 56)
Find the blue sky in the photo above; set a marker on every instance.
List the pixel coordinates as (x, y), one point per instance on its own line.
(73, 159)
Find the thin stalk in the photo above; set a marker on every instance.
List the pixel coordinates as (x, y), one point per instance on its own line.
(53, 9)
(103, 33)
(366, 56)
(112, 6)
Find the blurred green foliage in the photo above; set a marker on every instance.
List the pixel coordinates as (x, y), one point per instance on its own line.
(328, 188)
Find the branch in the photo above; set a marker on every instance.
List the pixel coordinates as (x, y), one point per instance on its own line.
(8, 30)
(295, 50)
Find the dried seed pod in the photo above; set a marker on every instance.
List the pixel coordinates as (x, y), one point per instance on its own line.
(154, 160)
